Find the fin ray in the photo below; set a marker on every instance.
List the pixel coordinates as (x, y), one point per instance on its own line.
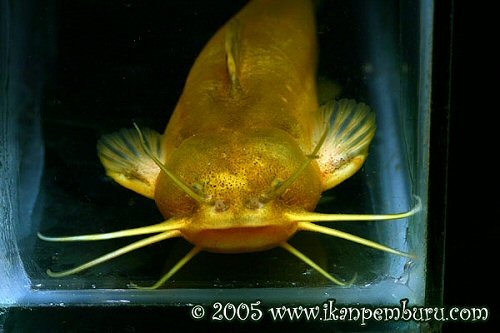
(352, 128)
(126, 162)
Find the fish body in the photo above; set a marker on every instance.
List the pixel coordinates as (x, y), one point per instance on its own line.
(248, 150)
(273, 44)
(236, 130)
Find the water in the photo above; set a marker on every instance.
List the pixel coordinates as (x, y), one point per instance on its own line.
(71, 81)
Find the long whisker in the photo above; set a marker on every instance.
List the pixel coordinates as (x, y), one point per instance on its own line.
(320, 217)
(177, 181)
(307, 226)
(117, 253)
(194, 251)
(311, 263)
(281, 187)
(150, 229)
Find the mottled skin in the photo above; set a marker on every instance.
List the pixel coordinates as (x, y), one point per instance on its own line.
(234, 138)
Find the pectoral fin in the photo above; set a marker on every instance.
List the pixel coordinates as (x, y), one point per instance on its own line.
(352, 127)
(125, 160)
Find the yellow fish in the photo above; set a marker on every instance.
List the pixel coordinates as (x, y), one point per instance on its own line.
(248, 151)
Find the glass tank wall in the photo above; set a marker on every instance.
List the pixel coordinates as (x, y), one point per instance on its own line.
(73, 71)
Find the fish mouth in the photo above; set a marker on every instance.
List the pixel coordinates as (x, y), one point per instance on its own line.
(240, 239)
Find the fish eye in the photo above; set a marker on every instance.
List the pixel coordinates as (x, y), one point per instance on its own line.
(254, 203)
(276, 183)
(220, 206)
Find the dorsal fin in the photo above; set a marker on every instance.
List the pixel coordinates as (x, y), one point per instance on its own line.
(232, 46)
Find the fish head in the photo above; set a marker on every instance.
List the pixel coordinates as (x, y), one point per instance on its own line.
(240, 175)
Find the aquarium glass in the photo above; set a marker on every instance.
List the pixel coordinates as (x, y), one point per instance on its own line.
(71, 71)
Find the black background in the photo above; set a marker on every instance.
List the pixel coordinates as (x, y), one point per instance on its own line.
(472, 222)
